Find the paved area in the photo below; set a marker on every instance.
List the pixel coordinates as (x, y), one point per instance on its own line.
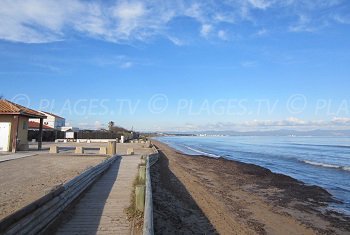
(13, 156)
(28, 178)
(101, 209)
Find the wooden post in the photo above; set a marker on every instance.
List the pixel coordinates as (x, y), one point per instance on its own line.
(142, 173)
(40, 137)
(140, 197)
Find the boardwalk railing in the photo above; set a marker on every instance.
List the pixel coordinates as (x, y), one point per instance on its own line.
(148, 213)
(37, 216)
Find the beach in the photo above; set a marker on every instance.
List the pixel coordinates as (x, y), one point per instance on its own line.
(199, 194)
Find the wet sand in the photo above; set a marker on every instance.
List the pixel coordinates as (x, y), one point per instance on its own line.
(198, 194)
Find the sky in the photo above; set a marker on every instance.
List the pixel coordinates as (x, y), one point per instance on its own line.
(180, 65)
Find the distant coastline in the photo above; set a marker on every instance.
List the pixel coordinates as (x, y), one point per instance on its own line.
(310, 133)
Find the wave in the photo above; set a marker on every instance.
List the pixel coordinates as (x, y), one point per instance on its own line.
(322, 145)
(201, 152)
(327, 165)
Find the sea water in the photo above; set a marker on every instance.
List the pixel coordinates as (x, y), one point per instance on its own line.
(321, 161)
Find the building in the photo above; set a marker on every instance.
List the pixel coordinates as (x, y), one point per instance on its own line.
(14, 120)
(69, 128)
(54, 121)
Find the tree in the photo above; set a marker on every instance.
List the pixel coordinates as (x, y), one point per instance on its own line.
(110, 125)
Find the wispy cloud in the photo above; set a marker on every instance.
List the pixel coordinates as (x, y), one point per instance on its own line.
(249, 64)
(177, 41)
(42, 21)
(304, 24)
(119, 61)
(222, 34)
(261, 32)
(261, 4)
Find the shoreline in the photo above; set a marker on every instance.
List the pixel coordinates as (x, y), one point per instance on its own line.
(337, 203)
(250, 198)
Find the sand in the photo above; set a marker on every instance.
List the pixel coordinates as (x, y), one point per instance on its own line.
(24, 180)
(198, 194)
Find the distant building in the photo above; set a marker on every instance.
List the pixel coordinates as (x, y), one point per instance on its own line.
(69, 128)
(54, 121)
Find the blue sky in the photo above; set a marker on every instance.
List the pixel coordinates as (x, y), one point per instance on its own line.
(180, 65)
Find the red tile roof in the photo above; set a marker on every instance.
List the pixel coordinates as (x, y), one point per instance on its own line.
(35, 125)
(8, 107)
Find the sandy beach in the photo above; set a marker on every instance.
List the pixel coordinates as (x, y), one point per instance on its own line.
(198, 194)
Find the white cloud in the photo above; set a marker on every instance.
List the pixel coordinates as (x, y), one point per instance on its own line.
(129, 11)
(39, 21)
(130, 16)
(261, 4)
(23, 20)
(341, 121)
(206, 30)
(342, 19)
(291, 123)
(222, 34)
(126, 65)
(261, 32)
(304, 24)
(195, 11)
(120, 61)
(177, 41)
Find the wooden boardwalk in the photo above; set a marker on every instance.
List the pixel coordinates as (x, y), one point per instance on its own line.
(101, 209)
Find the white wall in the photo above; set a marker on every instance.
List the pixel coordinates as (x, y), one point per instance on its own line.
(51, 121)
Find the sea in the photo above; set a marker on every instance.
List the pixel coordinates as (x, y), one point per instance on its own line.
(321, 161)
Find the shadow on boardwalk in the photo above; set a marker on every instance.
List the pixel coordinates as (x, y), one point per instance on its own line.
(175, 211)
(86, 215)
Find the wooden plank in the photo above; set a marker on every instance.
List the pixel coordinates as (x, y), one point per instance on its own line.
(102, 206)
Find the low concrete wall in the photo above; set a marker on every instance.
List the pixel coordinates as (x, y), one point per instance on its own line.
(148, 213)
(37, 216)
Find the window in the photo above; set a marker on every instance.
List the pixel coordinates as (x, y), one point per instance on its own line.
(25, 126)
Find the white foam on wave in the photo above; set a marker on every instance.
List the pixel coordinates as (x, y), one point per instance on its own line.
(327, 165)
(202, 153)
(346, 168)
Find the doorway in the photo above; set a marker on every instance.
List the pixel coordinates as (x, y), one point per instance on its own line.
(5, 130)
